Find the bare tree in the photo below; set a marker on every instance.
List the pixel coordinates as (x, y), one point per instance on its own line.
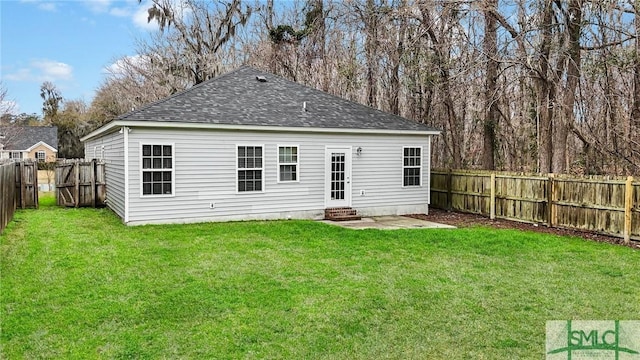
(201, 29)
(7, 106)
(490, 47)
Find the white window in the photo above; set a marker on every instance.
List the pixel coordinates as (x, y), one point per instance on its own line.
(157, 169)
(288, 163)
(250, 168)
(412, 166)
(41, 155)
(15, 155)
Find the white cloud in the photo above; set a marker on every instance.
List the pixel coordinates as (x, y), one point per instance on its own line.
(119, 66)
(43, 70)
(53, 69)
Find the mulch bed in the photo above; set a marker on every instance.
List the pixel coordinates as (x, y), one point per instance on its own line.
(468, 220)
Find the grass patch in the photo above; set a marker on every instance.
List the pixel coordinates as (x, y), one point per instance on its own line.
(76, 283)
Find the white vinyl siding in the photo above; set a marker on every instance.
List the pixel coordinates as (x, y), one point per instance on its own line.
(111, 146)
(206, 186)
(288, 163)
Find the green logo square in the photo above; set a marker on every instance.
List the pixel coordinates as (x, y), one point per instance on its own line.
(593, 339)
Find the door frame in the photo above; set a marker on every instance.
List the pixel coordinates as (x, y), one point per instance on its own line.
(327, 176)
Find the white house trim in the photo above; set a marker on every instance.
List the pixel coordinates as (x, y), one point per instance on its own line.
(419, 167)
(41, 143)
(348, 151)
(263, 179)
(278, 163)
(181, 125)
(125, 134)
(173, 169)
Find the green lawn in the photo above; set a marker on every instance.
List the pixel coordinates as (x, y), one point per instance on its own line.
(76, 283)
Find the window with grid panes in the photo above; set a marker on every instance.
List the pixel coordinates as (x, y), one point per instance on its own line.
(411, 166)
(249, 168)
(157, 169)
(288, 163)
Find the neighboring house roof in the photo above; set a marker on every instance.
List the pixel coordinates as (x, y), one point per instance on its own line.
(248, 97)
(27, 137)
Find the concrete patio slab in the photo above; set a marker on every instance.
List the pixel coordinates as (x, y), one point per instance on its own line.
(392, 222)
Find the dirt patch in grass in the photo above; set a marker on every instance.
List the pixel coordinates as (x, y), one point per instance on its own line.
(468, 220)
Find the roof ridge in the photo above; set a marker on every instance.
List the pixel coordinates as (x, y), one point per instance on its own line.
(179, 93)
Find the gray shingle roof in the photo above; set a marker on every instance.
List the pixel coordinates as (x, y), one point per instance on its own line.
(24, 137)
(238, 98)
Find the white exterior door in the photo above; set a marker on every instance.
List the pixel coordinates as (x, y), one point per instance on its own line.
(337, 176)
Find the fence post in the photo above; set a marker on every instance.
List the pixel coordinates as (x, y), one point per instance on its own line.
(76, 188)
(492, 203)
(93, 182)
(23, 187)
(449, 184)
(628, 200)
(550, 190)
(36, 195)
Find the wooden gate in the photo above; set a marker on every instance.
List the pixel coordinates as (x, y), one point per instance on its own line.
(80, 183)
(18, 188)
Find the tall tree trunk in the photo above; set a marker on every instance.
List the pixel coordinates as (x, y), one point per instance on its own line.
(490, 103)
(567, 118)
(371, 47)
(544, 92)
(394, 81)
(635, 113)
(273, 61)
(442, 58)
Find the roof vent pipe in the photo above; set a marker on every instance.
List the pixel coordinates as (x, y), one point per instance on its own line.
(304, 106)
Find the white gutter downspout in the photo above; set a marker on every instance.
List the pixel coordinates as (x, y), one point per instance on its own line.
(429, 172)
(125, 132)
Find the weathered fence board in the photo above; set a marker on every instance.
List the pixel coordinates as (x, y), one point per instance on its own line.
(18, 189)
(27, 184)
(609, 205)
(80, 183)
(7, 194)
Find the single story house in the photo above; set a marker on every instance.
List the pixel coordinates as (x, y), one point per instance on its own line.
(29, 142)
(252, 145)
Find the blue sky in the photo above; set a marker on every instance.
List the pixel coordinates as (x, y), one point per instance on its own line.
(69, 43)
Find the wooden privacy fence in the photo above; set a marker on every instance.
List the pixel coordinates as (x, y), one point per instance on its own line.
(18, 189)
(604, 204)
(80, 183)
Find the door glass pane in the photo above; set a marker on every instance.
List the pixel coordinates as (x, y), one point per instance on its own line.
(337, 176)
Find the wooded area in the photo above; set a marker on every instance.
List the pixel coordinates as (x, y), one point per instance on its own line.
(604, 204)
(522, 85)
